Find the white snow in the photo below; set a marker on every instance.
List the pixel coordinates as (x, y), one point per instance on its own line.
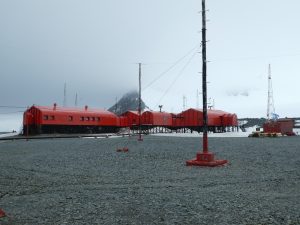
(8, 135)
(196, 134)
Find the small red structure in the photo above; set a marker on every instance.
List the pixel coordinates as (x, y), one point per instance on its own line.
(205, 159)
(2, 213)
(122, 149)
(283, 126)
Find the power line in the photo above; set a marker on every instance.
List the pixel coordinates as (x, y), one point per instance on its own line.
(171, 67)
(176, 78)
(13, 107)
(1, 113)
(246, 58)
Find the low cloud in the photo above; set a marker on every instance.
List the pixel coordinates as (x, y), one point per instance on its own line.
(236, 93)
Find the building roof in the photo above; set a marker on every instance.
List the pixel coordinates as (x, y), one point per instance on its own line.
(85, 110)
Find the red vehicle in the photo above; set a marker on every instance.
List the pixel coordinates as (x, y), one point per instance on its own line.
(43, 119)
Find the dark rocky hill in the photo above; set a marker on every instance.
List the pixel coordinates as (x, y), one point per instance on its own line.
(250, 122)
(129, 101)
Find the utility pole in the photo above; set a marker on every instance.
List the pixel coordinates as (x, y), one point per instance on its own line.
(204, 158)
(140, 102)
(76, 100)
(65, 95)
(204, 84)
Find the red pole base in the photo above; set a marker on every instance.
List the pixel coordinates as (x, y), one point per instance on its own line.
(206, 159)
(122, 149)
(2, 213)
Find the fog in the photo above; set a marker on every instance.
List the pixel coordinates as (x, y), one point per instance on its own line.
(94, 47)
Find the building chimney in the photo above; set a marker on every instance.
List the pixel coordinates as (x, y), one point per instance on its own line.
(54, 106)
(86, 108)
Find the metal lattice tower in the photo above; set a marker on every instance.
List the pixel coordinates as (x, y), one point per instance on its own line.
(271, 107)
(184, 102)
(76, 100)
(65, 95)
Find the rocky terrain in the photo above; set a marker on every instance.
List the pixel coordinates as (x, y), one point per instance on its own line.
(86, 181)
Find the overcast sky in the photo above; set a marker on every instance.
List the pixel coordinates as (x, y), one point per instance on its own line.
(94, 46)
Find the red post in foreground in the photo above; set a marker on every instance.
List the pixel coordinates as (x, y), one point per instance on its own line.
(205, 158)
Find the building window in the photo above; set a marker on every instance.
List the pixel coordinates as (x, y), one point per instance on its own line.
(92, 118)
(81, 118)
(87, 118)
(97, 118)
(70, 118)
(51, 117)
(45, 117)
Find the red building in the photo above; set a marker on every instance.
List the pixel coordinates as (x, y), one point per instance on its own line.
(283, 126)
(130, 119)
(193, 119)
(154, 119)
(45, 119)
(230, 120)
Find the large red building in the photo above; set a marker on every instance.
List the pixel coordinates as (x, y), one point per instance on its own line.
(54, 119)
(44, 119)
(193, 119)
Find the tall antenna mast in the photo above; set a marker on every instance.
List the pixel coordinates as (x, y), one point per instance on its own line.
(204, 158)
(65, 95)
(140, 102)
(204, 84)
(271, 107)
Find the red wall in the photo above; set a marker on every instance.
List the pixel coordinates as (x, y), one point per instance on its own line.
(283, 126)
(194, 117)
(61, 116)
(157, 118)
(132, 118)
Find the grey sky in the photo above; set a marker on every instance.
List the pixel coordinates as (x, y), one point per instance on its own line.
(94, 47)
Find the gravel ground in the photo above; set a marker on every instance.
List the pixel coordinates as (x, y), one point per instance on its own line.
(85, 181)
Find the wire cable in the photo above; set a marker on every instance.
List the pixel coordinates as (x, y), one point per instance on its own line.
(176, 78)
(13, 107)
(1, 113)
(249, 58)
(168, 69)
